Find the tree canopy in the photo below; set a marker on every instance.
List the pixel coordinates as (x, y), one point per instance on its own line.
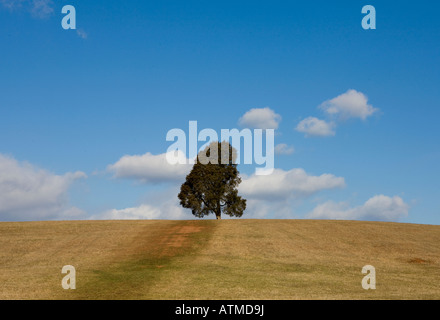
(211, 186)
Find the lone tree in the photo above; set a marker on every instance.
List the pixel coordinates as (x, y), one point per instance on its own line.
(211, 186)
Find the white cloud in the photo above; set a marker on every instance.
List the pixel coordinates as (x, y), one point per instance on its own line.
(144, 212)
(141, 212)
(157, 205)
(282, 184)
(315, 127)
(262, 209)
(377, 208)
(263, 118)
(151, 168)
(284, 149)
(29, 193)
(352, 104)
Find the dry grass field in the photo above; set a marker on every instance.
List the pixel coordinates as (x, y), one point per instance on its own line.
(227, 259)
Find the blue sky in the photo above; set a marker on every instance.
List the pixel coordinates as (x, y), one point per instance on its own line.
(75, 102)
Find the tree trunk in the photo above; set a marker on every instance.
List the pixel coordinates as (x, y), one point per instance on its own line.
(218, 213)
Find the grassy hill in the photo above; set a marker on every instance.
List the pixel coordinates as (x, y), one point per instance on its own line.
(228, 259)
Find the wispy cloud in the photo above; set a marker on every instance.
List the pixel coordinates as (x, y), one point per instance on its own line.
(81, 33)
(12, 4)
(284, 149)
(40, 9)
